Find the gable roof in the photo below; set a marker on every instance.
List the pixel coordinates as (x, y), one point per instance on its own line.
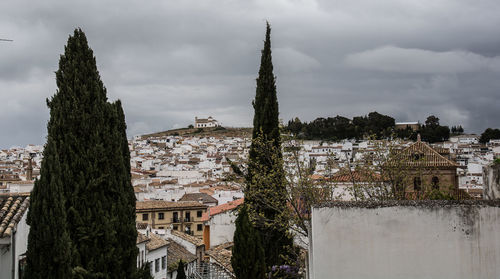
(177, 252)
(197, 196)
(153, 205)
(12, 209)
(420, 154)
(155, 242)
(214, 210)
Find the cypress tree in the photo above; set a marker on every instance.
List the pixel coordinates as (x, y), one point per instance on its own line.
(266, 189)
(248, 255)
(89, 137)
(49, 245)
(180, 271)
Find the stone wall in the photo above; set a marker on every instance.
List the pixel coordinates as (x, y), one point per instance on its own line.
(405, 239)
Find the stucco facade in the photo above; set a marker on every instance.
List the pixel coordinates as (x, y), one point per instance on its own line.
(406, 239)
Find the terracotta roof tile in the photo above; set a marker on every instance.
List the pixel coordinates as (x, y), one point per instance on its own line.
(151, 205)
(214, 210)
(12, 208)
(177, 252)
(155, 242)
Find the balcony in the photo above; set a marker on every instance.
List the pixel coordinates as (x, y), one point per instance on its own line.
(175, 220)
(188, 219)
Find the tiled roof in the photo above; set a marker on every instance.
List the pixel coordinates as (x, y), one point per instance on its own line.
(12, 208)
(197, 196)
(420, 154)
(177, 252)
(155, 242)
(191, 239)
(356, 176)
(150, 205)
(141, 238)
(214, 210)
(222, 255)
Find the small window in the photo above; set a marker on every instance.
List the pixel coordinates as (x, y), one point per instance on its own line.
(157, 265)
(163, 262)
(199, 227)
(145, 216)
(161, 216)
(176, 227)
(417, 184)
(161, 228)
(435, 183)
(199, 213)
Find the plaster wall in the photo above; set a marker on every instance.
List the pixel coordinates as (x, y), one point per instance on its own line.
(222, 228)
(414, 240)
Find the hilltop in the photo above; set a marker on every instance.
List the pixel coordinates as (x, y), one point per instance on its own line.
(204, 132)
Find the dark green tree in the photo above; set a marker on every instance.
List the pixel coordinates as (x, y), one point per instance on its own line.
(87, 135)
(488, 134)
(248, 255)
(180, 271)
(266, 189)
(49, 245)
(432, 131)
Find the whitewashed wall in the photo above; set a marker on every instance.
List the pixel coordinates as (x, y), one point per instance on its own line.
(430, 239)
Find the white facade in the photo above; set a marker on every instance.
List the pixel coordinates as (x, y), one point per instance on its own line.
(222, 227)
(417, 240)
(11, 249)
(205, 123)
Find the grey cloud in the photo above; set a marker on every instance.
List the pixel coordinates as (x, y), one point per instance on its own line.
(169, 61)
(406, 60)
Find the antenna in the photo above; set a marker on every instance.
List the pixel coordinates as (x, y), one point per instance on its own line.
(6, 40)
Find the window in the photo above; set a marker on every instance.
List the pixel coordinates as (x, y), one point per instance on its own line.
(435, 183)
(157, 265)
(161, 228)
(161, 216)
(145, 217)
(176, 227)
(199, 213)
(163, 262)
(199, 227)
(417, 184)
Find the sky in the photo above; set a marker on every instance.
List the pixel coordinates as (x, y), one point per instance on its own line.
(169, 61)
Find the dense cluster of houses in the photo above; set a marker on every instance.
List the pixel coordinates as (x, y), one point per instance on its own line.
(187, 193)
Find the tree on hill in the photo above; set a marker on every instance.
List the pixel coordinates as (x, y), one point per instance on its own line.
(86, 167)
(265, 192)
(489, 134)
(433, 132)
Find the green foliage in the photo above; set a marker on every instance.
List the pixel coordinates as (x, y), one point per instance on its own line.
(181, 274)
(87, 142)
(433, 132)
(489, 134)
(190, 126)
(457, 130)
(265, 192)
(339, 127)
(497, 160)
(144, 272)
(248, 254)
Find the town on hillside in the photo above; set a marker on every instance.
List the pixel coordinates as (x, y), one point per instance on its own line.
(187, 191)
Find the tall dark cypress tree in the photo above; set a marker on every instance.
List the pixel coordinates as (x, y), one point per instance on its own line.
(49, 245)
(266, 190)
(248, 255)
(88, 134)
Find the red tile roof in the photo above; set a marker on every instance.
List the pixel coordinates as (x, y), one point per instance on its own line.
(214, 210)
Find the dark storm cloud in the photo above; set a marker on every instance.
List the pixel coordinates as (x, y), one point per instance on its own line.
(169, 61)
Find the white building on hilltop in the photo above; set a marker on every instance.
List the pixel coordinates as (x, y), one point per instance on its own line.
(205, 122)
